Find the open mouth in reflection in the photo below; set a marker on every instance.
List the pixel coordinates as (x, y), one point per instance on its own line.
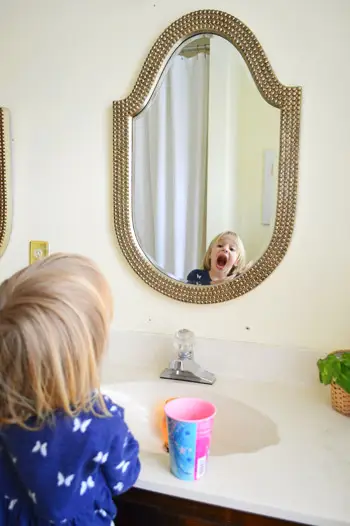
(221, 261)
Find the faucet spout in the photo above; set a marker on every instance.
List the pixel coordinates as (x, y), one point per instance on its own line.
(184, 367)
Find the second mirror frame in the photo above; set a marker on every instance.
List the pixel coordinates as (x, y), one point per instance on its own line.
(285, 98)
(5, 180)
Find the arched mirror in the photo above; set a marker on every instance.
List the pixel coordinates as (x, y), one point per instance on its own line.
(205, 162)
(5, 180)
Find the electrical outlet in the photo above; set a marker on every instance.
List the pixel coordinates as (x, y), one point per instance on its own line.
(38, 250)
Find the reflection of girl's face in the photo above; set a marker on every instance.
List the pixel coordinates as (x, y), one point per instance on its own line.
(223, 255)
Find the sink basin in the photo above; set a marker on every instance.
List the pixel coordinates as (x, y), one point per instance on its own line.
(238, 428)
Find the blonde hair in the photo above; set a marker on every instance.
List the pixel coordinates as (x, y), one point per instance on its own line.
(54, 324)
(241, 257)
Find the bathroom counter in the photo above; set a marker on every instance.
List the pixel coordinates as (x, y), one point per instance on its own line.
(302, 476)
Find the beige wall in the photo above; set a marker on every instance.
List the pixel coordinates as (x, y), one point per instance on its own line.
(242, 126)
(223, 130)
(259, 130)
(62, 64)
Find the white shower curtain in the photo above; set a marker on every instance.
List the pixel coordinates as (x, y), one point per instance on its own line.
(170, 168)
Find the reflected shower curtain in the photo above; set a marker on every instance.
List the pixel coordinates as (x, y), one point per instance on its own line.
(170, 168)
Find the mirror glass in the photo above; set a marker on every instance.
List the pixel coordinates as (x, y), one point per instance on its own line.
(205, 162)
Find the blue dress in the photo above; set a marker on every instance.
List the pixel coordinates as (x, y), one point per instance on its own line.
(199, 277)
(68, 471)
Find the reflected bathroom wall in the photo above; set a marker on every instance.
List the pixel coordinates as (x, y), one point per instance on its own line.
(205, 153)
(243, 132)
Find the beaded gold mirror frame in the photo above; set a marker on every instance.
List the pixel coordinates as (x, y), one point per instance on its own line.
(286, 98)
(5, 180)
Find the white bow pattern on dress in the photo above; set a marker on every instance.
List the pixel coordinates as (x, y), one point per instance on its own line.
(101, 512)
(78, 425)
(12, 503)
(119, 487)
(101, 458)
(64, 481)
(123, 466)
(40, 448)
(45, 450)
(86, 484)
(32, 496)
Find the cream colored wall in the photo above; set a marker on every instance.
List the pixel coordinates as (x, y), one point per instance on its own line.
(242, 125)
(223, 129)
(259, 130)
(62, 64)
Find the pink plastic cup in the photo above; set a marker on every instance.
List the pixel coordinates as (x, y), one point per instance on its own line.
(190, 423)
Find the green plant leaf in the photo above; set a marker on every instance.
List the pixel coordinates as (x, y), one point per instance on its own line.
(335, 368)
(344, 382)
(345, 368)
(329, 369)
(346, 359)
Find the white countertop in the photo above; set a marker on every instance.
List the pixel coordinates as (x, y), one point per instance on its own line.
(303, 477)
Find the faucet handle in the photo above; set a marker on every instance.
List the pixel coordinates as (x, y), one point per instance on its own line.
(184, 342)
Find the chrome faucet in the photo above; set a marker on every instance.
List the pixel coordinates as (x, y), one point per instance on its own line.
(184, 367)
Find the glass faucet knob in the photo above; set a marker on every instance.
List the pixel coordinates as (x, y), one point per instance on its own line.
(184, 340)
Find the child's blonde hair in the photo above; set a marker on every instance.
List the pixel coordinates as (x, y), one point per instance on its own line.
(241, 256)
(54, 324)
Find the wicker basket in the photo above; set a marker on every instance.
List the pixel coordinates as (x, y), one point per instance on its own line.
(340, 398)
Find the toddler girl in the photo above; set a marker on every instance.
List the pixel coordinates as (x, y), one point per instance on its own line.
(65, 449)
(224, 259)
